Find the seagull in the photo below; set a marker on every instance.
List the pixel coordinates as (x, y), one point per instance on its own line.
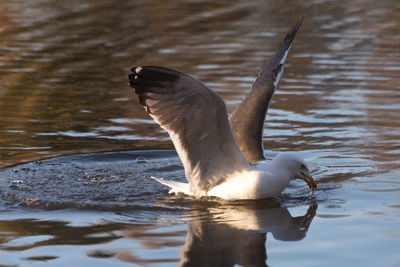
(222, 157)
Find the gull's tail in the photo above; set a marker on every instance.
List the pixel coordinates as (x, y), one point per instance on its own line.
(175, 187)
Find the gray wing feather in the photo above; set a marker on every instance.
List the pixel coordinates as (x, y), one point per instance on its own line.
(195, 118)
(247, 120)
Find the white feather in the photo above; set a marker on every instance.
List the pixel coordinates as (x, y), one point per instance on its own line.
(285, 55)
(176, 187)
(278, 77)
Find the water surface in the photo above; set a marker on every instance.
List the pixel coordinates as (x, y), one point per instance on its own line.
(77, 150)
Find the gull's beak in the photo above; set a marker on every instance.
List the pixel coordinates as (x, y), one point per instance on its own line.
(310, 181)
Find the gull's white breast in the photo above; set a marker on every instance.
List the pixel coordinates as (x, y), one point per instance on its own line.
(256, 183)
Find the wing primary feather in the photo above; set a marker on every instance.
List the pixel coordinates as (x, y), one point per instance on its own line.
(247, 120)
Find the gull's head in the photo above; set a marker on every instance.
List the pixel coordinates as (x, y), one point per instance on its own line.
(296, 168)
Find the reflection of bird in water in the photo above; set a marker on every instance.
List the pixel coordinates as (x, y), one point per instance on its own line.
(237, 235)
(222, 235)
(221, 158)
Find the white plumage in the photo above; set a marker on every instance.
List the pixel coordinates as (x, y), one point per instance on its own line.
(218, 162)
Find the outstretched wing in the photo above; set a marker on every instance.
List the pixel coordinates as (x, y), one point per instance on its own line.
(247, 120)
(195, 118)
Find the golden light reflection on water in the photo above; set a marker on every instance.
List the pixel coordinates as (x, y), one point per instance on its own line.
(64, 70)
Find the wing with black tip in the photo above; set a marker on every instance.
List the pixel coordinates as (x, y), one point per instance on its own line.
(195, 118)
(247, 120)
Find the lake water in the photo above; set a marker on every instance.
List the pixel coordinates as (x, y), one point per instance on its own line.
(77, 150)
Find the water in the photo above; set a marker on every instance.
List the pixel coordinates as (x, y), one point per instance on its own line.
(77, 150)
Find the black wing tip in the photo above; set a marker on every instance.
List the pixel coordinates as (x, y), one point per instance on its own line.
(149, 80)
(152, 74)
(287, 41)
(133, 75)
(292, 33)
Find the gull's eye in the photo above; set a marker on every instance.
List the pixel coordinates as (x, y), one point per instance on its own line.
(303, 166)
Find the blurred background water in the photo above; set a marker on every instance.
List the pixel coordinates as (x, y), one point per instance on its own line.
(64, 96)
